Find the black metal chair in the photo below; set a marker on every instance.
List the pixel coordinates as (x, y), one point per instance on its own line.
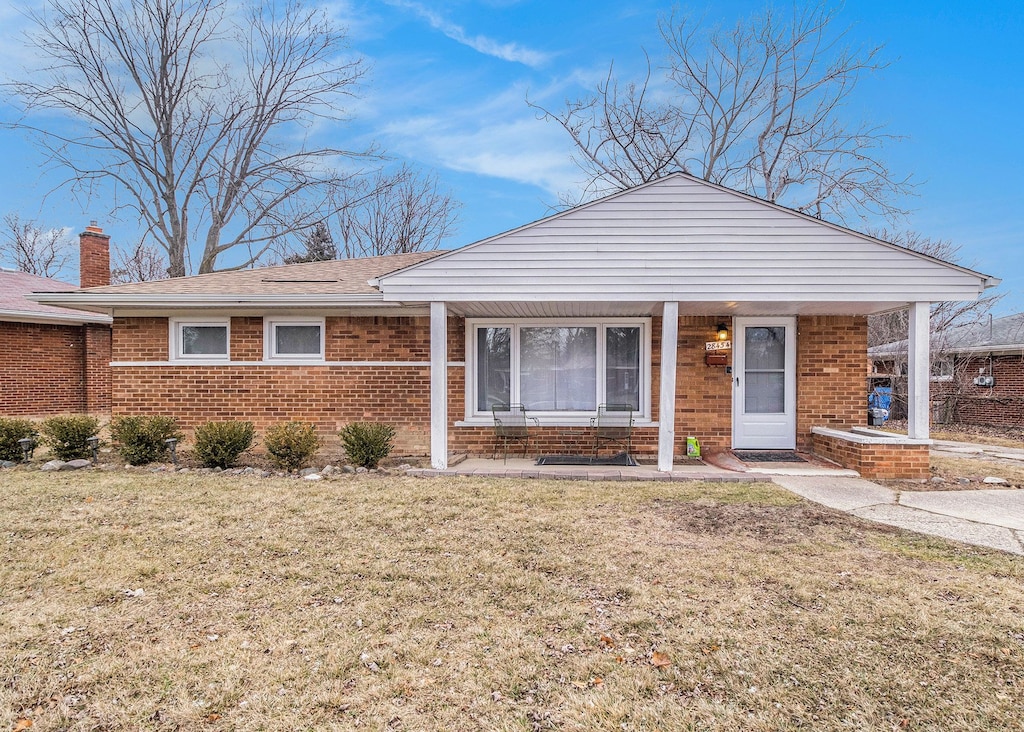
(613, 425)
(511, 424)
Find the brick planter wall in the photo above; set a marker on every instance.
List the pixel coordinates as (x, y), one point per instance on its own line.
(885, 459)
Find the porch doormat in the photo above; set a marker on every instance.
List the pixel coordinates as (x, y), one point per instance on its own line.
(622, 458)
(768, 456)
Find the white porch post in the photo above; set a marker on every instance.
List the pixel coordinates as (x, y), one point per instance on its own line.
(439, 385)
(667, 400)
(918, 371)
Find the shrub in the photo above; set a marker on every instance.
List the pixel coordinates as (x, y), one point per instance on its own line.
(367, 443)
(218, 444)
(291, 444)
(12, 430)
(67, 436)
(141, 438)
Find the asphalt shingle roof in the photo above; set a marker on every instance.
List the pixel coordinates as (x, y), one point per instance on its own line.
(15, 285)
(336, 277)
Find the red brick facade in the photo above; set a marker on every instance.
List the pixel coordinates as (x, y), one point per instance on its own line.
(831, 373)
(47, 368)
(1001, 404)
(831, 381)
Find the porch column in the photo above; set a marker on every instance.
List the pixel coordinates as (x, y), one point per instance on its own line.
(439, 385)
(667, 400)
(918, 370)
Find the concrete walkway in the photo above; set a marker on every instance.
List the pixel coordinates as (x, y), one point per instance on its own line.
(989, 518)
(974, 449)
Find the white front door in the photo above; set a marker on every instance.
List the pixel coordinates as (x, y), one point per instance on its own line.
(764, 384)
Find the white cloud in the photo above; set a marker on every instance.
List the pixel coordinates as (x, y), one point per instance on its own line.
(487, 46)
(524, 149)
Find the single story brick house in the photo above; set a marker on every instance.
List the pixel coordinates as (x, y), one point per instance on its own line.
(628, 299)
(54, 360)
(977, 372)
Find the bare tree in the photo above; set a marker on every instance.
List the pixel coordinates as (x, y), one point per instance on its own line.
(757, 108)
(889, 330)
(892, 327)
(141, 264)
(33, 249)
(198, 114)
(395, 212)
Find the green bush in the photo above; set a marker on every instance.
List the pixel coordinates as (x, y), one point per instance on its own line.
(367, 443)
(291, 444)
(12, 430)
(218, 444)
(141, 438)
(67, 436)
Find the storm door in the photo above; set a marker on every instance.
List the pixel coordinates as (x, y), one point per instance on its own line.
(764, 384)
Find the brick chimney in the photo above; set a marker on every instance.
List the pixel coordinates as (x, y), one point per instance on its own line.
(94, 257)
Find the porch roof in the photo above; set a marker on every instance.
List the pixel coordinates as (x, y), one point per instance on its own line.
(681, 239)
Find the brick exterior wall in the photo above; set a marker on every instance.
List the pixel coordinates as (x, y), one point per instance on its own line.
(97, 368)
(41, 369)
(1001, 405)
(831, 382)
(875, 462)
(50, 369)
(831, 373)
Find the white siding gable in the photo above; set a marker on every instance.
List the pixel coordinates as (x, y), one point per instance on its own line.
(681, 239)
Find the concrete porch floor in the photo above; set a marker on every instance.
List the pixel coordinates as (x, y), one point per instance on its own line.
(717, 468)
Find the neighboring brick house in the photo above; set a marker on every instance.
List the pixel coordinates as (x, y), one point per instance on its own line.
(55, 360)
(977, 372)
(630, 298)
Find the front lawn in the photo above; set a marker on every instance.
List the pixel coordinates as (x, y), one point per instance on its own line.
(137, 601)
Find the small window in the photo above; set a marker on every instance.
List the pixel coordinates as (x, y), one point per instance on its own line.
(193, 340)
(295, 340)
(942, 369)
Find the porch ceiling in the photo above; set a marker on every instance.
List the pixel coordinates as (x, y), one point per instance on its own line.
(563, 309)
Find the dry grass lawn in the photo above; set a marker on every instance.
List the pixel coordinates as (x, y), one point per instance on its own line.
(162, 602)
(976, 468)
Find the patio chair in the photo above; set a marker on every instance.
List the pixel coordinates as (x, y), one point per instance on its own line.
(613, 425)
(511, 424)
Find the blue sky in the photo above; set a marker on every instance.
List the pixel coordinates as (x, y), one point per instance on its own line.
(448, 81)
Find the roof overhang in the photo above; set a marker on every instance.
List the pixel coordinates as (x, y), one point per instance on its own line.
(23, 316)
(107, 302)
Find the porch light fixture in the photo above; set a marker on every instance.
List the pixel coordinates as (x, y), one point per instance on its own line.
(172, 445)
(723, 331)
(27, 445)
(94, 445)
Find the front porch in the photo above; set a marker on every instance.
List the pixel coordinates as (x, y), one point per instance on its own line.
(717, 468)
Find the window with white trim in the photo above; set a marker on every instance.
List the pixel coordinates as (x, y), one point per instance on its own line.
(200, 340)
(561, 368)
(298, 339)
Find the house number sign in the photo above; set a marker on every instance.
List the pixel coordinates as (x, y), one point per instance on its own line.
(718, 346)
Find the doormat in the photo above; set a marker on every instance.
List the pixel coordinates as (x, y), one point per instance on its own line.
(622, 458)
(768, 456)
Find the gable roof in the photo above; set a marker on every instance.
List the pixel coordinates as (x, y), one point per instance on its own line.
(683, 239)
(15, 307)
(310, 283)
